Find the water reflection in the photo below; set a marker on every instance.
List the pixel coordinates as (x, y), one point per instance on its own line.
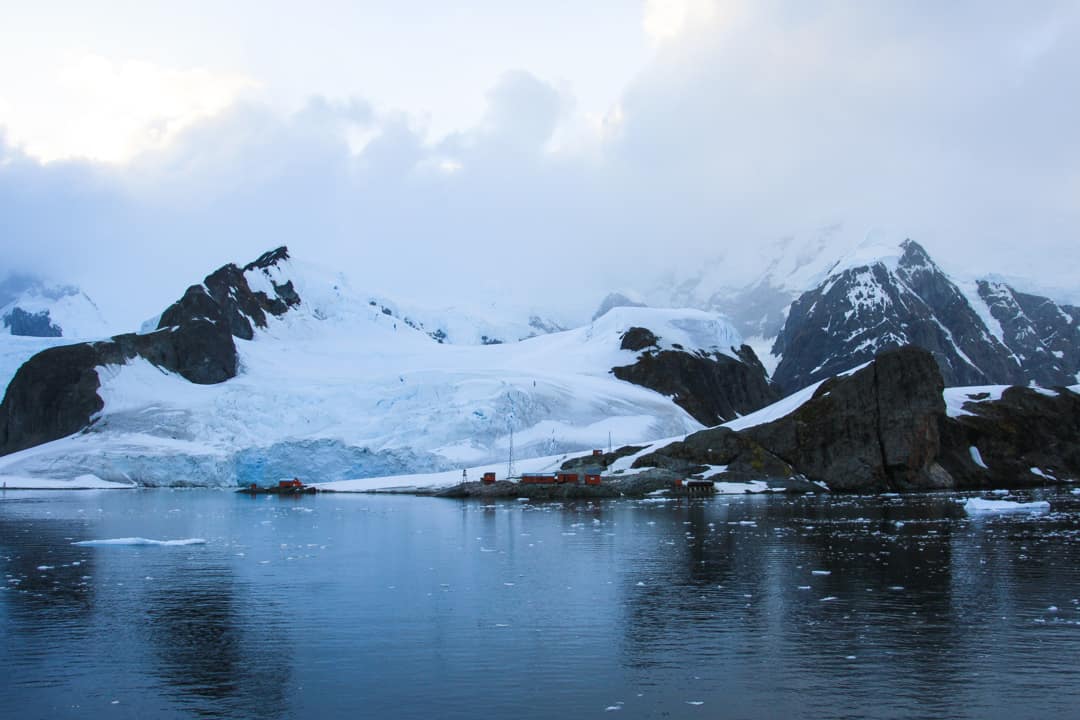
(420, 607)
(42, 571)
(207, 650)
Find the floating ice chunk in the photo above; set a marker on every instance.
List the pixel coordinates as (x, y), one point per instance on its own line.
(695, 702)
(829, 598)
(821, 572)
(804, 587)
(140, 541)
(982, 505)
(44, 567)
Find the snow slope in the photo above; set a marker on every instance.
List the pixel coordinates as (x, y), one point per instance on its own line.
(337, 388)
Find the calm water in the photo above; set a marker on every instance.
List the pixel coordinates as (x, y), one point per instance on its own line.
(402, 607)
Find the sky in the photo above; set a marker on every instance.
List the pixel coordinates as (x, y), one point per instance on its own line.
(534, 152)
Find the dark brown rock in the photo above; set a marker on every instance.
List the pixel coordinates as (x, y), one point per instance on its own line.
(1027, 438)
(638, 338)
(875, 430)
(713, 387)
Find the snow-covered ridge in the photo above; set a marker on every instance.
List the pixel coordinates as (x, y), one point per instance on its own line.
(341, 386)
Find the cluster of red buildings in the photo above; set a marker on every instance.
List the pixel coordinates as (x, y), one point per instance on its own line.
(561, 478)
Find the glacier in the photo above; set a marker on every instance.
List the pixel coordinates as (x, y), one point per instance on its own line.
(338, 388)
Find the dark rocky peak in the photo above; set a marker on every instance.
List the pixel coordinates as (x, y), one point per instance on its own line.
(878, 305)
(242, 308)
(269, 259)
(915, 257)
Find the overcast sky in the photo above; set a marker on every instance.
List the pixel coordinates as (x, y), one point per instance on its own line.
(435, 150)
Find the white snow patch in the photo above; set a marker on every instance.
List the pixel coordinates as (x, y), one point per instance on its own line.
(956, 397)
(976, 457)
(970, 291)
(82, 482)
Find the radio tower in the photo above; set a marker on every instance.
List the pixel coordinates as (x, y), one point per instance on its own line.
(510, 422)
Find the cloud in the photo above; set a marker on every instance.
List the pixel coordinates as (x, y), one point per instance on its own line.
(950, 123)
(94, 108)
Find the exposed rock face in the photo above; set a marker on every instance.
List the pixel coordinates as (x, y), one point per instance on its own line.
(55, 392)
(1043, 336)
(860, 311)
(712, 387)
(864, 310)
(884, 428)
(875, 430)
(1028, 437)
(37, 324)
(638, 338)
(742, 456)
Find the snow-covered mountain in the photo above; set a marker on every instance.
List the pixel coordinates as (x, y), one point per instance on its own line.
(829, 299)
(31, 307)
(332, 384)
(880, 298)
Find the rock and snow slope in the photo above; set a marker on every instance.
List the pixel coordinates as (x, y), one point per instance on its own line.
(881, 300)
(829, 299)
(30, 307)
(336, 386)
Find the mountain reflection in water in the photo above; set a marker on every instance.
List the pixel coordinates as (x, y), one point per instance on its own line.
(375, 606)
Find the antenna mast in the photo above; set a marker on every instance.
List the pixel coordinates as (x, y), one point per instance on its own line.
(510, 421)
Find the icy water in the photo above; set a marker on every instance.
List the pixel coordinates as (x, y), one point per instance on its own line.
(399, 607)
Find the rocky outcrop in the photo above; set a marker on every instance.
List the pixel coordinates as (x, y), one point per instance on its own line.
(875, 430)
(1028, 437)
(740, 456)
(711, 387)
(884, 428)
(54, 394)
(36, 324)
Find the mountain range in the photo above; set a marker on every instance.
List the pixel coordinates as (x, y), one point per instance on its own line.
(279, 368)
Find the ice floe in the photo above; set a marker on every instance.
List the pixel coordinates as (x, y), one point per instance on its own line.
(983, 505)
(140, 541)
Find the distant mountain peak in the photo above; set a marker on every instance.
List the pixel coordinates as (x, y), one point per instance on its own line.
(36, 307)
(614, 300)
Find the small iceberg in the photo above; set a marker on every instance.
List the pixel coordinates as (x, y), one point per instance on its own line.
(983, 505)
(140, 541)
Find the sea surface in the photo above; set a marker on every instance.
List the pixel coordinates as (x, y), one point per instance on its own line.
(375, 606)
